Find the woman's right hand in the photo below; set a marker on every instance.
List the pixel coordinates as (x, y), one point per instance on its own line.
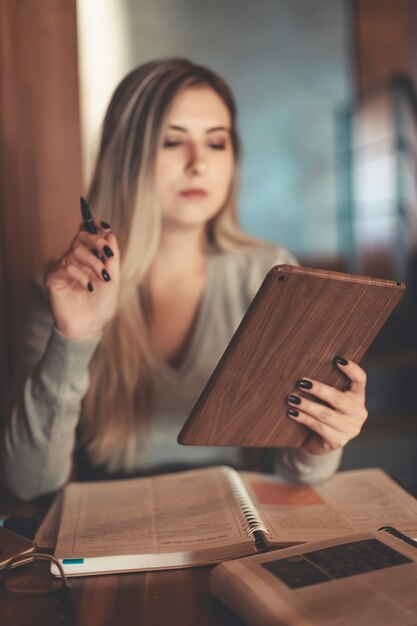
(83, 285)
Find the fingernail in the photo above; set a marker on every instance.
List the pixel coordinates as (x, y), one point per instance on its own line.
(98, 255)
(293, 412)
(341, 360)
(105, 225)
(90, 287)
(294, 399)
(105, 275)
(108, 251)
(304, 384)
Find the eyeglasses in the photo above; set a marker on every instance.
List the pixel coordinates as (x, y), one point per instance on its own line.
(61, 594)
(24, 559)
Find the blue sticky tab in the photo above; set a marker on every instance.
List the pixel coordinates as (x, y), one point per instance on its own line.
(72, 561)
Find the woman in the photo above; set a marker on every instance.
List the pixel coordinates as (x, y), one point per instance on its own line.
(136, 316)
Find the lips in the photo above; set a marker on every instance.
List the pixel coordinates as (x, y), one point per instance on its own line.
(194, 193)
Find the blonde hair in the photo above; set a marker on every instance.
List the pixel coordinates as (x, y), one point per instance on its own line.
(119, 399)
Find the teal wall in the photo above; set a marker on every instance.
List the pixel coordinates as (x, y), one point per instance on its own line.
(288, 64)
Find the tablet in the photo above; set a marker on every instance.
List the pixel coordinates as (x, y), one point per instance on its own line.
(298, 322)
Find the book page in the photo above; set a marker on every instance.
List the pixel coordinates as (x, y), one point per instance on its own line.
(351, 501)
(170, 513)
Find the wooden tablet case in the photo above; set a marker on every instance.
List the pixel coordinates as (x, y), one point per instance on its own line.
(298, 322)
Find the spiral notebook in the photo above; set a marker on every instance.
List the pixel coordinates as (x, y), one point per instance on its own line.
(299, 321)
(204, 516)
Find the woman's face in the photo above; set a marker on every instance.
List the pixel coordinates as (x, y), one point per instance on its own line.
(194, 163)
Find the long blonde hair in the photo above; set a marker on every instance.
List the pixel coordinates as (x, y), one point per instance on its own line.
(119, 399)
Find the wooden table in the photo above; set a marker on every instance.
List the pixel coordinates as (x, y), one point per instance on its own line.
(168, 598)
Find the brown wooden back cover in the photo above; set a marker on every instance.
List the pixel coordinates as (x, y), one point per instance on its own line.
(298, 322)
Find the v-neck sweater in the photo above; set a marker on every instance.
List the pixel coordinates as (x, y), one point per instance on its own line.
(40, 437)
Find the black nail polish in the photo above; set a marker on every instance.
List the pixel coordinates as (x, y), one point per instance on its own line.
(304, 384)
(105, 225)
(108, 251)
(90, 287)
(341, 360)
(293, 412)
(294, 399)
(98, 255)
(105, 275)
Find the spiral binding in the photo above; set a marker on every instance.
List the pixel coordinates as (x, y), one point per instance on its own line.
(396, 533)
(248, 514)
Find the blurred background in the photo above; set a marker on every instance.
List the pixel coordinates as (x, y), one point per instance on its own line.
(326, 92)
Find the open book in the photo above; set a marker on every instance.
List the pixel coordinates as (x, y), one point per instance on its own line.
(364, 578)
(209, 515)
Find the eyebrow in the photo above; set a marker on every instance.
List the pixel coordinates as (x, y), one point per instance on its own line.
(210, 130)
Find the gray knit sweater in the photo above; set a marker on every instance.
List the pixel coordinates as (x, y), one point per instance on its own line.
(40, 437)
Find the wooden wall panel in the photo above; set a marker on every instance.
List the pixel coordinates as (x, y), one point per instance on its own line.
(384, 40)
(383, 45)
(40, 166)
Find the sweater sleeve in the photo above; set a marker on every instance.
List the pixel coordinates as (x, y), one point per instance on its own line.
(39, 437)
(296, 464)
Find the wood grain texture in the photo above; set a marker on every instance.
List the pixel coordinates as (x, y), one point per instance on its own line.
(383, 35)
(40, 166)
(174, 598)
(299, 321)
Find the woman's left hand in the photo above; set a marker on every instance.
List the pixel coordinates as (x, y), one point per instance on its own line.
(332, 427)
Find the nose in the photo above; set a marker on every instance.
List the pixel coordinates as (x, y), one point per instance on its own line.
(197, 162)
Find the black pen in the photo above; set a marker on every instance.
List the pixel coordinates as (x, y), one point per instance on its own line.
(87, 217)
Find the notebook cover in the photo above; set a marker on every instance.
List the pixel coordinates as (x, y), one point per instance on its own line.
(298, 322)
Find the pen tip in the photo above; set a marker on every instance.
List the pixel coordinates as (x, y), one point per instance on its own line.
(85, 210)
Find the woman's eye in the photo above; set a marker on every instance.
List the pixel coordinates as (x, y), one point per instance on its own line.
(169, 143)
(217, 146)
